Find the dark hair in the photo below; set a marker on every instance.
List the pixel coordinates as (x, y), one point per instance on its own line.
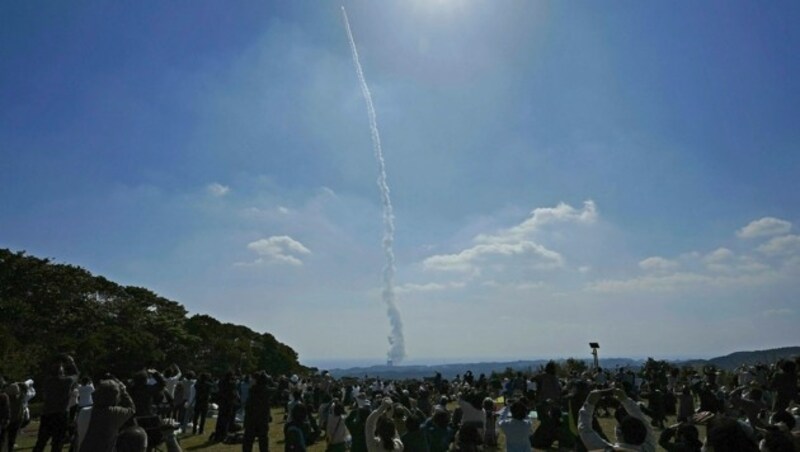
(140, 378)
(385, 431)
(785, 417)
(726, 434)
(469, 435)
(338, 409)
(299, 413)
(689, 435)
(413, 423)
(550, 367)
(777, 441)
(519, 411)
(633, 430)
(441, 418)
(132, 439)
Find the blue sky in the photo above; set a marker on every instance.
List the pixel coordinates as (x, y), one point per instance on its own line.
(621, 172)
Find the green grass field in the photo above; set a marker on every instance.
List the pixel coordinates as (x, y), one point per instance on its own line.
(190, 442)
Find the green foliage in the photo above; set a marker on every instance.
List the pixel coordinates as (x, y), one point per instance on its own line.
(50, 308)
(656, 372)
(574, 366)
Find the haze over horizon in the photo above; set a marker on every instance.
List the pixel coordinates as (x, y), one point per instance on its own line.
(560, 172)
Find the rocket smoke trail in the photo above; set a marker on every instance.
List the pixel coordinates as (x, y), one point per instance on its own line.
(397, 346)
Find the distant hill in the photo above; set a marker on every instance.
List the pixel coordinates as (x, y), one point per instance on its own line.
(734, 360)
(727, 362)
(451, 370)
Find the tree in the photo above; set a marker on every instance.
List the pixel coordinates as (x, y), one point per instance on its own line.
(50, 308)
(574, 366)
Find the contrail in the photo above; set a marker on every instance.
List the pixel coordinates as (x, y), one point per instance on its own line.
(397, 345)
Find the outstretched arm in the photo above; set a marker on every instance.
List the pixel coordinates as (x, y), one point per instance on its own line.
(591, 439)
(632, 408)
(372, 419)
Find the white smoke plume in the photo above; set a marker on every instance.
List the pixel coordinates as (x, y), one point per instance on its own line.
(397, 345)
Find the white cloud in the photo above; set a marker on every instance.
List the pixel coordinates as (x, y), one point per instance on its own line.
(787, 244)
(518, 286)
(783, 312)
(217, 189)
(719, 255)
(429, 287)
(514, 246)
(657, 263)
(278, 249)
(471, 258)
(649, 283)
(765, 227)
(542, 216)
(680, 281)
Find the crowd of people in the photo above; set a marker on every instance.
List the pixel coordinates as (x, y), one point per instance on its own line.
(754, 408)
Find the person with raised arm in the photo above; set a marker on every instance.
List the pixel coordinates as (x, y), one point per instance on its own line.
(112, 408)
(637, 435)
(380, 432)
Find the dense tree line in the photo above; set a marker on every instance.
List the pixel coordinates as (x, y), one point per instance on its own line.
(48, 308)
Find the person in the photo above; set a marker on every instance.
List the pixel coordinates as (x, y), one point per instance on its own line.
(85, 391)
(112, 408)
(680, 437)
(5, 413)
(517, 428)
(243, 388)
(548, 394)
(146, 395)
(468, 439)
(356, 423)
(227, 398)
(685, 404)
(29, 392)
(335, 430)
(471, 404)
(415, 439)
(490, 424)
(172, 375)
(784, 384)
(438, 430)
(132, 439)
(178, 408)
(257, 413)
(202, 395)
(189, 395)
(57, 391)
(15, 394)
(381, 434)
(728, 434)
(297, 434)
(637, 435)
